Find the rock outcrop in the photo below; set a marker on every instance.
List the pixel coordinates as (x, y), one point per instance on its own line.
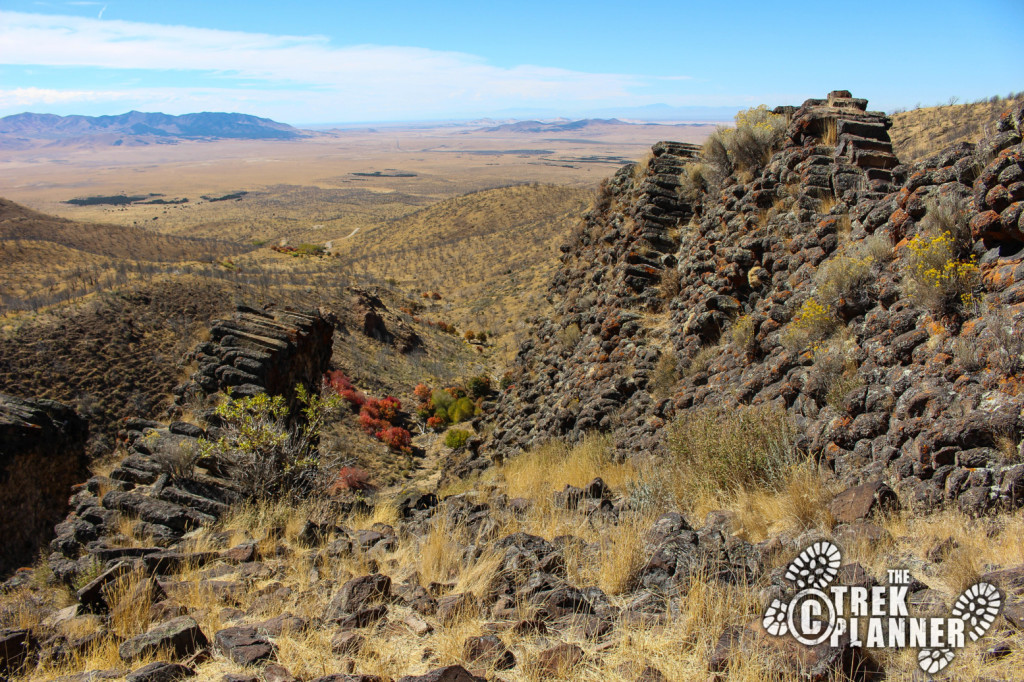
(933, 398)
(259, 351)
(42, 454)
(161, 487)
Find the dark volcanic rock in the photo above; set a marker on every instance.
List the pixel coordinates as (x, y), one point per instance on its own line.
(452, 673)
(181, 636)
(42, 454)
(863, 501)
(357, 594)
(15, 648)
(244, 645)
(160, 672)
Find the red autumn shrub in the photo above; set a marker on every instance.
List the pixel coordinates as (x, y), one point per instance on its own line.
(340, 384)
(350, 478)
(353, 398)
(371, 408)
(337, 380)
(435, 424)
(396, 438)
(422, 391)
(371, 424)
(389, 408)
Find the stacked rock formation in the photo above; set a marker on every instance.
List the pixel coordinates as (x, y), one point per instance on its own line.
(936, 400)
(271, 351)
(999, 190)
(42, 454)
(260, 350)
(862, 138)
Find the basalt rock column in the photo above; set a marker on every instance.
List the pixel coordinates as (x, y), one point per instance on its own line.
(42, 454)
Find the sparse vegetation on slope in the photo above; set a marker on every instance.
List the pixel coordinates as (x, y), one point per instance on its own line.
(819, 344)
(923, 131)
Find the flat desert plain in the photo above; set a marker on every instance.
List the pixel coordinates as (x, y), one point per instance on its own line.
(323, 188)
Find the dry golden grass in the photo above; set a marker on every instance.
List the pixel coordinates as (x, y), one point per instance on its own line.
(547, 468)
(44, 259)
(679, 648)
(490, 254)
(923, 131)
(831, 135)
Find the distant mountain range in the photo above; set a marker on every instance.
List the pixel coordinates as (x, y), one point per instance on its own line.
(138, 128)
(562, 125)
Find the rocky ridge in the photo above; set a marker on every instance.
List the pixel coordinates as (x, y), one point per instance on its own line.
(253, 352)
(924, 415)
(656, 271)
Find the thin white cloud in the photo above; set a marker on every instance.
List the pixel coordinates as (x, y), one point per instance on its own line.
(373, 77)
(27, 97)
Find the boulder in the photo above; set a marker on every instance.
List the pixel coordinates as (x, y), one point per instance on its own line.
(559, 660)
(488, 651)
(862, 502)
(451, 673)
(244, 645)
(357, 594)
(181, 636)
(454, 606)
(160, 672)
(16, 645)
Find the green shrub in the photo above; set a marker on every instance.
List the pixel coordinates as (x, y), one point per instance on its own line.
(441, 399)
(693, 182)
(748, 146)
(310, 250)
(841, 278)
(717, 450)
(1009, 339)
(479, 386)
(269, 459)
(461, 410)
(835, 372)
(878, 247)
(950, 215)
(665, 375)
(812, 324)
(456, 438)
(569, 336)
(702, 360)
(742, 334)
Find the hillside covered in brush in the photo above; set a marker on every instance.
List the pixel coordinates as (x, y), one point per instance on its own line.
(787, 336)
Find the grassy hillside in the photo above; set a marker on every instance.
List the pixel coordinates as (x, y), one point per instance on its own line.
(918, 133)
(45, 259)
(489, 254)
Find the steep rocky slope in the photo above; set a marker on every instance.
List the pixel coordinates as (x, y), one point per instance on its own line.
(932, 393)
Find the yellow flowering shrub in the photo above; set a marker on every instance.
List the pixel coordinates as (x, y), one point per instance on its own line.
(812, 324)
(934, 277)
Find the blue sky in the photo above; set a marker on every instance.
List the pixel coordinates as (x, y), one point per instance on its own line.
(318, 62)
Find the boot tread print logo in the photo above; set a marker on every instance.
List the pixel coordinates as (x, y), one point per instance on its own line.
(813, 615)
